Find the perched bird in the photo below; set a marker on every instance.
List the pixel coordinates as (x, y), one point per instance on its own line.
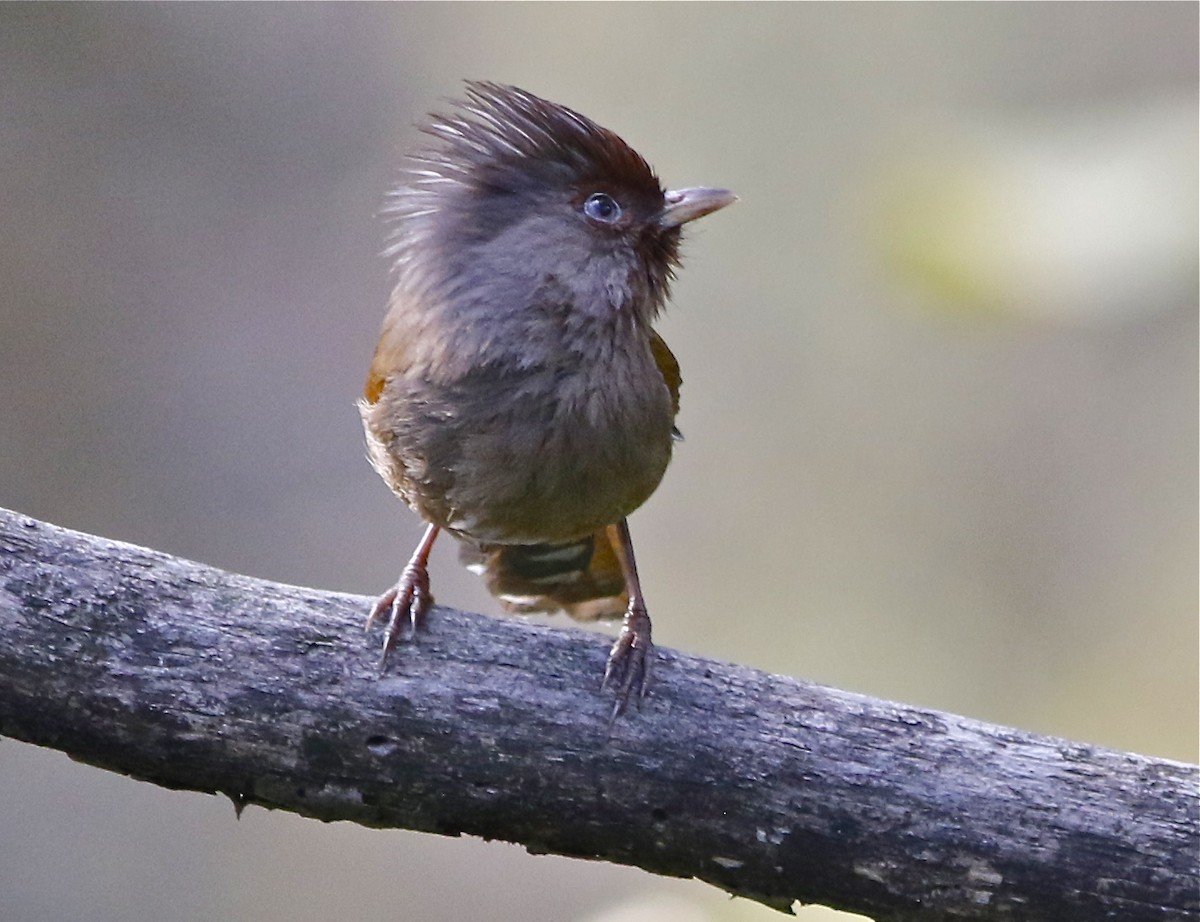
(519, 398)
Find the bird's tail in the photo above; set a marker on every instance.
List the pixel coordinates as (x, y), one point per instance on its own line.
(582, 578)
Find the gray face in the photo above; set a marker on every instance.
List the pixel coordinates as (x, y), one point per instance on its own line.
(523, 198)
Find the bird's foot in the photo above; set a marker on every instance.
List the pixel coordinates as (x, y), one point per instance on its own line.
(629, 661)
(406, 604)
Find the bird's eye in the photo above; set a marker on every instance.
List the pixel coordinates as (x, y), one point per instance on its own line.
(603, 208)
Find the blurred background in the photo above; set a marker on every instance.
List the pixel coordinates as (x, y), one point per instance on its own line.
(940, 373)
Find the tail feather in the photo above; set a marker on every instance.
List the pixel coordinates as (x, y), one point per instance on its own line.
(582, 578)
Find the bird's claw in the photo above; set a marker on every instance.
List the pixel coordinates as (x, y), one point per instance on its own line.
(629, 661)
(407, 603)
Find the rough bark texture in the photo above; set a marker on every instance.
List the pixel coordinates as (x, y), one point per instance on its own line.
(767, 787)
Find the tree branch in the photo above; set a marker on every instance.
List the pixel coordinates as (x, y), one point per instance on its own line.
(769, 788)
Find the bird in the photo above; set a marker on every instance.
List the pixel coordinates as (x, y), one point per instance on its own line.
(519, 397)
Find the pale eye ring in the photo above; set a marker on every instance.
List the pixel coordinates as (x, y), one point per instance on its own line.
(602, 207)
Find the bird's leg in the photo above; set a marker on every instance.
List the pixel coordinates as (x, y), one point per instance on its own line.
(628, 669)
(409, 600)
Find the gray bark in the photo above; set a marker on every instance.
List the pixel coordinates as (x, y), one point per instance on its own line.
(770, 788)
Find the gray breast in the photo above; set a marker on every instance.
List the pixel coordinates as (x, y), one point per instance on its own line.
(554, 453)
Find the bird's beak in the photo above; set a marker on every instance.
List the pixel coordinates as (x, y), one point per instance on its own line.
(683, 205)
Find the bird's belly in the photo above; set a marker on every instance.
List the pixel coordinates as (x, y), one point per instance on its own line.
(525, 457)
(519, 483)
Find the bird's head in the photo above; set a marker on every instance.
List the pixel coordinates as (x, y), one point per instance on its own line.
(519, 195)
